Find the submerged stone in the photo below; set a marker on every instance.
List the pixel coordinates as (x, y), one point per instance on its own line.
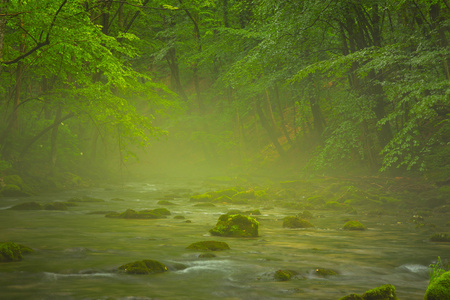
(157, 213)
(439, 288)
(296, 222)
(235, 226)
(146, 266)
(325, 272)
(284, 275)
(55, 206)
(209, 246)
(354, 225)
(384, 292)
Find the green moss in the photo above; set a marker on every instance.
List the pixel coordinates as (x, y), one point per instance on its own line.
(296, 222)
(305, 215)
(160, 211)
(208, 246)
(245, 195)
(27, 206)
(143, 267)
(12, 190)
(335, 205)
(439, 288)
(10, 251)
(223, 199)
(384, 292)
(354, 225)
(284, 275)
(440, 237)
(325, 272)
(201, 198)
(165, 202)
(13, 179)
(235, 226)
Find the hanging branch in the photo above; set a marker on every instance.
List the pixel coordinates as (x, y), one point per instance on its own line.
(38, 44)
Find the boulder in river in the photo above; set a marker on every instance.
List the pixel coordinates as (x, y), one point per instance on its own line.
(284, 275)
(235, 226)
(146, 266)
(157, 213)
(27, 206)
(296, 222)
(384, 292)
(10, 251)
(440, 237)
(439, 288)
(354, 225)
(208, 246)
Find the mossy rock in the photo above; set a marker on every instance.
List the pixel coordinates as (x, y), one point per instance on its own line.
(201, 198)
(354, 225)
(254, 212)
(55, 206)
(322, 272)
(334, 205)
(223, 199)
(245, 195)
(165, 202)
(28, 206)
(235, 226)
(10, 251)
(284, 275)
(296, 222)
(146, 266)
(352, 297)
(439, 288)
(179, 217)
(384, 292)
(440, 237)
(209, 246)
(12, 190)
(157, 213)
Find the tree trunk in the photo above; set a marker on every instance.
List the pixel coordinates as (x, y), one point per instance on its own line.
(270, 131)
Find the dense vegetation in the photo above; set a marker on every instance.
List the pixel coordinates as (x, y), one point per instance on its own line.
(338, 84)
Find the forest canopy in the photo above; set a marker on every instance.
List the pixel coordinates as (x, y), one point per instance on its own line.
(336, 84)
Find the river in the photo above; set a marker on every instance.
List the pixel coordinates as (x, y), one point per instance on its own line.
(78, 251)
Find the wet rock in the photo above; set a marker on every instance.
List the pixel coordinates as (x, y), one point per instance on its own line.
(28, 206)
(12, 190)
(440, 237)
(439, 288)
(208, 246)
(284, 275)
(157, 213)
(306, 215)
(165, 202)
(10, 251)
(296, 222)
(322, 272)
(384, 292)
(144, 267)
(354, 225)
(55, 206)
(236, 226)
(201, 198)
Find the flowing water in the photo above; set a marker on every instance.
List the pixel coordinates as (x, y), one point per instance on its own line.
(77, 251)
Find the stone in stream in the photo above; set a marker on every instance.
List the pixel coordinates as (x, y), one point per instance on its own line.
(146, 266)
(235, 226)
(284, 275)
(296, 222)
(156, 213)
(354, 225)
(27, 206)
(439, 288)
(10, 251)
(384, 292)
(208, 246)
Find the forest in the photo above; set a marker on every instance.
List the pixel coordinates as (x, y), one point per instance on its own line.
(320, 100)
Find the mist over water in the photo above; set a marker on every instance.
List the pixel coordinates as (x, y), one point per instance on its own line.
(78, 251)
